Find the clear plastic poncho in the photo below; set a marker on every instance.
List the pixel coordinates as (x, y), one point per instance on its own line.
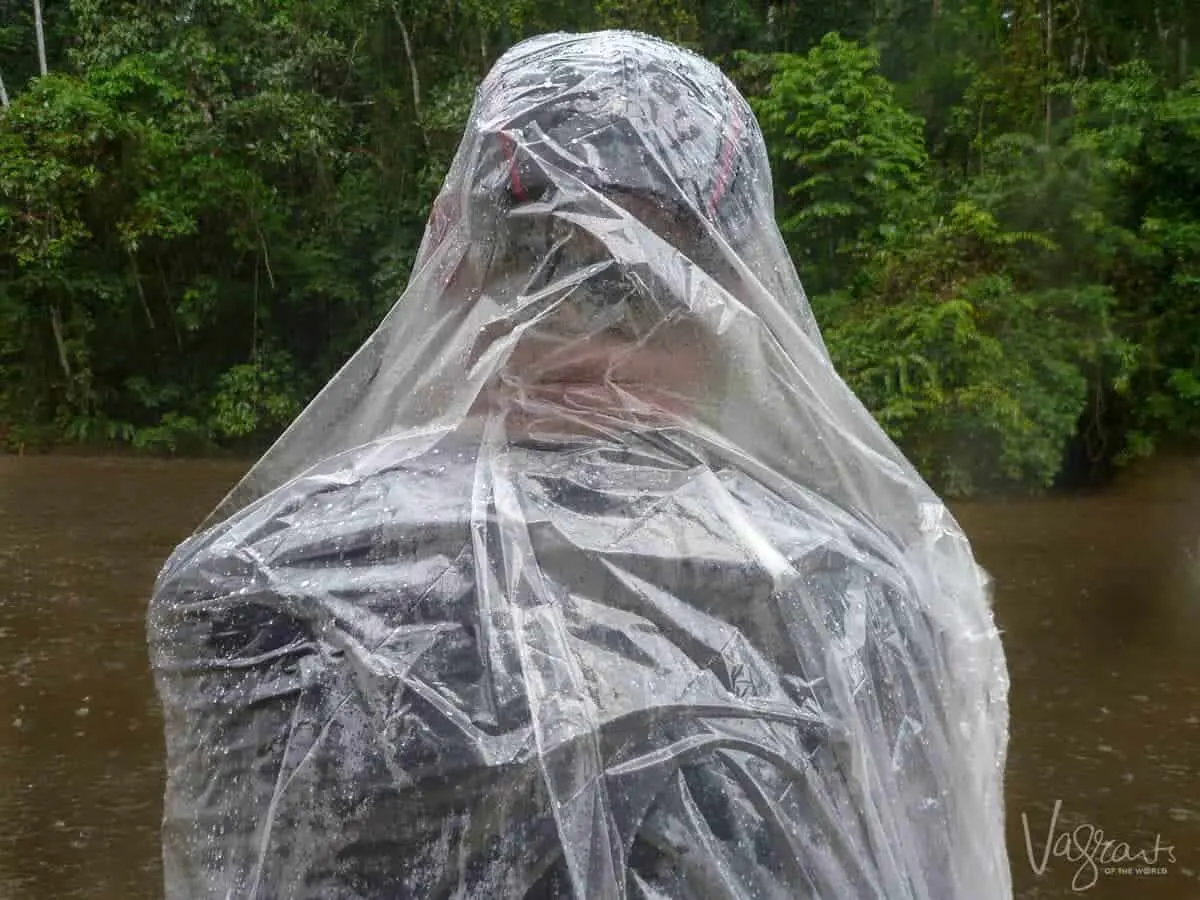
(587, 577)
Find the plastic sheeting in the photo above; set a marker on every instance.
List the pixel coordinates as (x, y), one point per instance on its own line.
(587, 576)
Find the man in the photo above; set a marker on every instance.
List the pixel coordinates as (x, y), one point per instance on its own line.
(587, 577)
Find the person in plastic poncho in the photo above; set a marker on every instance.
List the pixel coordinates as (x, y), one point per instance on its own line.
(587, 577)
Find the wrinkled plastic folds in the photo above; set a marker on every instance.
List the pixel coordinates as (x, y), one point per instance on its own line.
(587, 576)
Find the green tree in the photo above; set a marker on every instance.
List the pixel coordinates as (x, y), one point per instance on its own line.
(851, 161)
(980, 375)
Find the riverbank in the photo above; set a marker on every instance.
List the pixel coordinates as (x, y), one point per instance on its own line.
(124, 450)
(1156, 475)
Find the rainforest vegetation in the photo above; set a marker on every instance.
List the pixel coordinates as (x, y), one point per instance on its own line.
(206, 205)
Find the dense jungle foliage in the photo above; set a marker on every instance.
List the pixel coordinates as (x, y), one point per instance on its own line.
(205, 205)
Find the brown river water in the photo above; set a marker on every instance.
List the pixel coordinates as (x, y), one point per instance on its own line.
(1098, 596)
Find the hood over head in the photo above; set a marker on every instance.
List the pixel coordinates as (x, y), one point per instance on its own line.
(607, 184)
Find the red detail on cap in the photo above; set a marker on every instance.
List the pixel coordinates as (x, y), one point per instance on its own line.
(727, 156)
(514, 178)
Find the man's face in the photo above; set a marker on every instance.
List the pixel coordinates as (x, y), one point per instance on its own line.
(653, 377)
(608, 346)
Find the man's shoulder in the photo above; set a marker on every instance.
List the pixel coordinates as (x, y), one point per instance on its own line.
(332, 517)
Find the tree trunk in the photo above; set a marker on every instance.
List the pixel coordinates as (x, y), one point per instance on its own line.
(3, 93)
(141, 292)
(412, 69)
(1049, 66)
(41, 36)
(56, 324)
